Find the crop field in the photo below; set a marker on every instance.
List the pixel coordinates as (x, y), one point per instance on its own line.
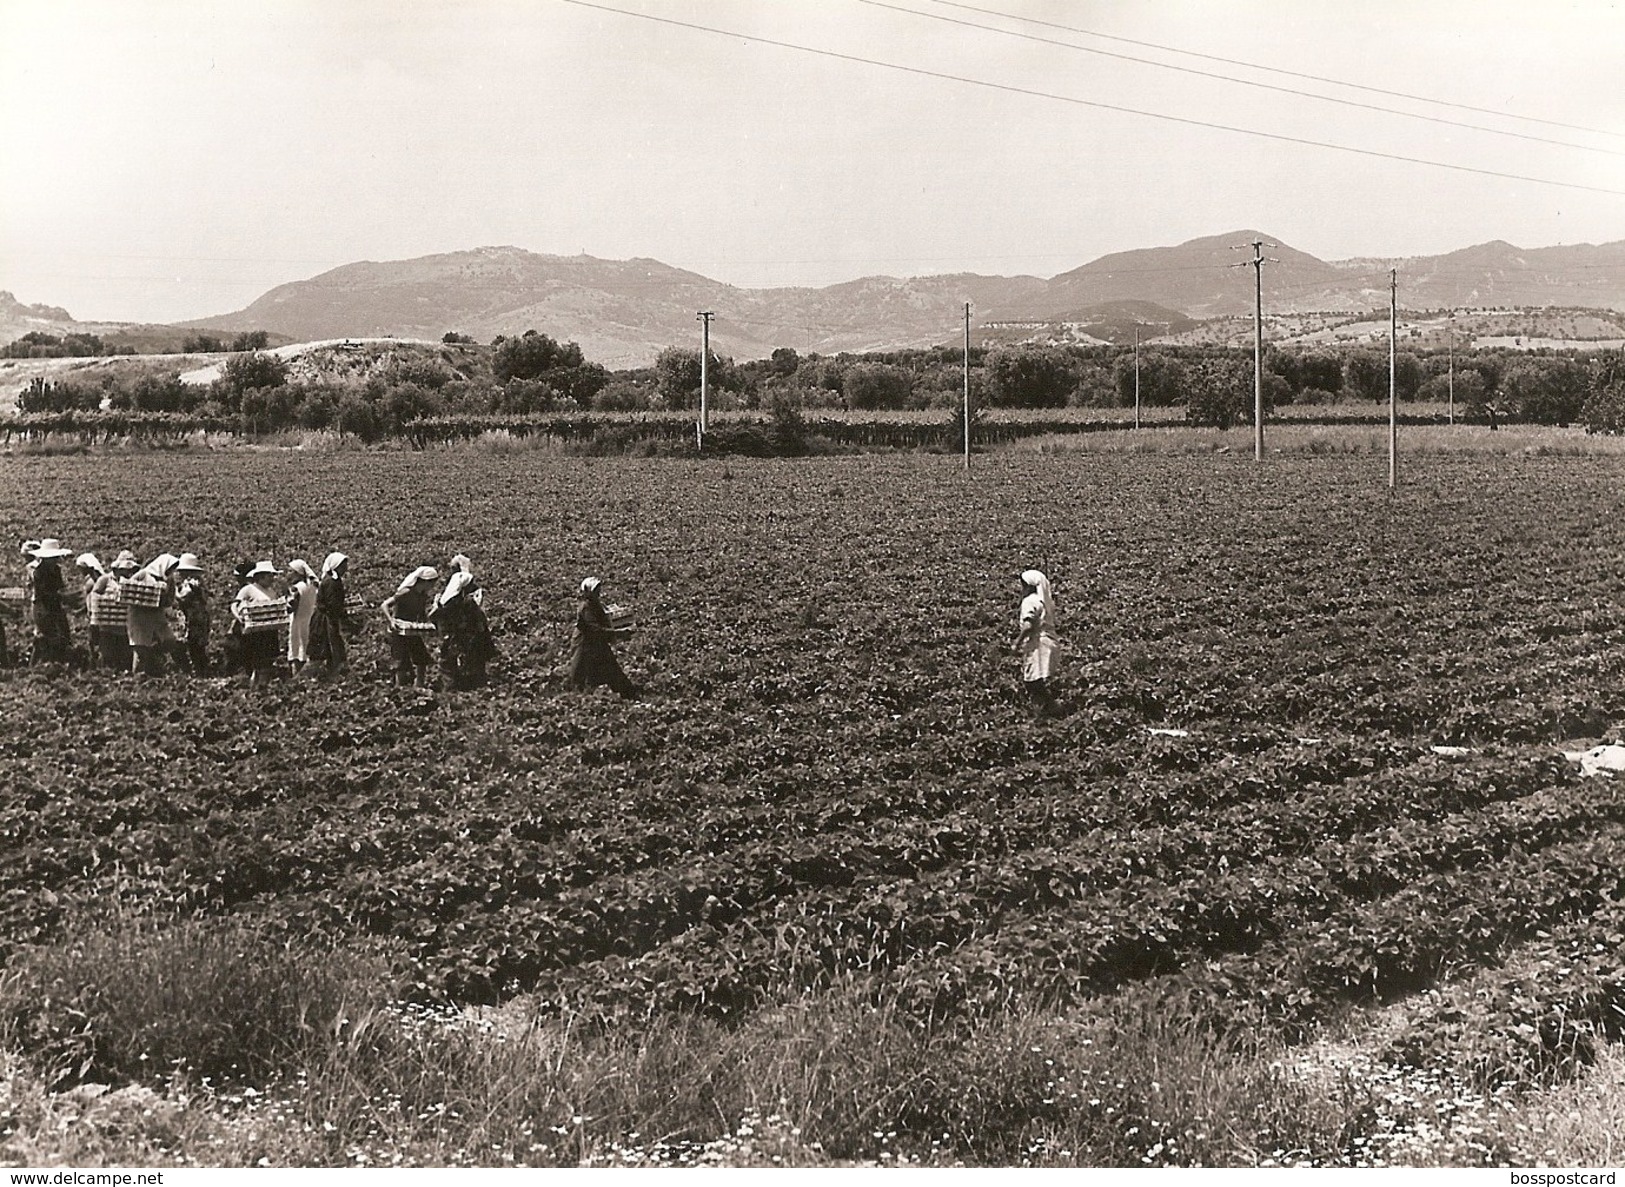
(835, 778)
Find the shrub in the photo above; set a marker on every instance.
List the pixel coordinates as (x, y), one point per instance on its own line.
(137, 1000)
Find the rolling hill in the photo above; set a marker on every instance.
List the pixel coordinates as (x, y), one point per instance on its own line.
(623, 312)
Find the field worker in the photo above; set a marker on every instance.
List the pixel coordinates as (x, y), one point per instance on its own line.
(465, 634)
(409, 604)
(327, 625)
(1037, 642)
(90, 572)
(461, 564)
(593, 662)
(110, 629)
(50, 595)
(259, 645)
(148, 627)
(301, 606)
(193, 600)
(231, 647)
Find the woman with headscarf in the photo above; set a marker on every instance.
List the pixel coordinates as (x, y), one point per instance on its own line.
(461, 564)
(1037, 641)
(192, 599)
(330, 620)
(301, 606)
(50, 595)
(90, 572)
(261, 630)
(465, 634)
(147, 594)
(407, 612)
(109, 618)
(593, 661)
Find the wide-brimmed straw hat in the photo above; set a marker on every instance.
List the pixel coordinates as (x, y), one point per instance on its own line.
(50, 549)
(262, 569)
(188, 563)
(124, 560)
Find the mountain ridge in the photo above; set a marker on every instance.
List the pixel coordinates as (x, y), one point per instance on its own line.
(623, 312)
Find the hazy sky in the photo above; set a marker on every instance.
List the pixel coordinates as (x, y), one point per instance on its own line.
(166, 159)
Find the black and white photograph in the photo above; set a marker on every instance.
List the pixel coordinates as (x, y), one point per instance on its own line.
(955, 586)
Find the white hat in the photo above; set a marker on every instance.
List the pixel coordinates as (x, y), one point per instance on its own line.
(50, 548)
(589, 585)
(188, 563)
(262, 569)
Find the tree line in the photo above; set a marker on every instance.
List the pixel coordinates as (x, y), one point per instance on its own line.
(533, 373)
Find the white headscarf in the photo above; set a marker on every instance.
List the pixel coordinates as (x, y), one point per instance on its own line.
(455, 584)
(462, 562)
(421, 573)
(160, 566)
(87, 560)
(333, 561)
(589, 586)
(1040, 582)
(303, 569)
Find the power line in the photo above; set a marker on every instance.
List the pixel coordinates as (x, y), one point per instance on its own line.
(1245, 82)
(1336, 82)
(1015, 90)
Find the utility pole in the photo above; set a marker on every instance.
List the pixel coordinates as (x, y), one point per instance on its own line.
(1393, 387)
(1452, 405)
(967, 387)
(704, 317)
(1136, 374)
(1258, 261)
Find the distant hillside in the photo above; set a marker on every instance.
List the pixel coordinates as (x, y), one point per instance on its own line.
(623, 312)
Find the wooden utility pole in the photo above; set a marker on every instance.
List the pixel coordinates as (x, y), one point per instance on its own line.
(1393, 387)
(967, 387)
(704, 318)
(1452, 405)
(1258, 261)
(1136, 374)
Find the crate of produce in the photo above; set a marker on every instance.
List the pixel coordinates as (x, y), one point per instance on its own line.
(143, 592)
(410, 629)
(177, 624)
(11, 593)
(353, 606)
(108, 610)
(620, 617)
(264, 616)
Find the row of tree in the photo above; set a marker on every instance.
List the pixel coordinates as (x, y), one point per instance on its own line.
(534, 374)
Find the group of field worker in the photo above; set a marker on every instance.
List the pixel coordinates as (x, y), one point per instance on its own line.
(142, 618)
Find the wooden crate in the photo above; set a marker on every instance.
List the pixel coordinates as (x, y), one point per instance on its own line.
(264, 616)
(11, 593)
(620, 617)
(412, 630)
(109, 610)
(144, 593)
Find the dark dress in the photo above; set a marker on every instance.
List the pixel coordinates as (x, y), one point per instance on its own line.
(327, 624)
(409, 652)
(193, 602)
(465, 642)
(593, 662)
(51, 644)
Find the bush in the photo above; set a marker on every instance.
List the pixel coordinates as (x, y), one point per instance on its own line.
(876, 385)
(1604, 410)
(212, 998)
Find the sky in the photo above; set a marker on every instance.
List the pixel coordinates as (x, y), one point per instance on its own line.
(173, 159)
